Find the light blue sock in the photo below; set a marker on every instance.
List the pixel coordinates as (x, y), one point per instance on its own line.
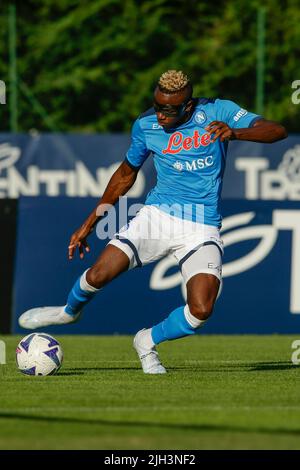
(175, 326)
(80, 295)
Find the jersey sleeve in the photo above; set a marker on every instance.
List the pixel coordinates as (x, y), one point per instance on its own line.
(138, 151)
(232, 114)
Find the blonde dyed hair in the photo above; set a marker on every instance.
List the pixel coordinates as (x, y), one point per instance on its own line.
(173, 81)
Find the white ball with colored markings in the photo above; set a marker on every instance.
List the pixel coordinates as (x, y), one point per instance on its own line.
(39, 354)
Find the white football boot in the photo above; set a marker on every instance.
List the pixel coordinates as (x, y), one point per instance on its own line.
(147, 354)
(46, 316)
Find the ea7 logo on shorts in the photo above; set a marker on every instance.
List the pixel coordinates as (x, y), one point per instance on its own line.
(242, 112)
(215, 266)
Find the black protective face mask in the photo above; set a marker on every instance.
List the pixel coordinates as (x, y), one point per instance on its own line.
(170, 110)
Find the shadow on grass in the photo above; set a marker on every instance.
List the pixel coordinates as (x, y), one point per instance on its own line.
(82, 370)
(69, 373)
(149, 424)
(281, 365)
(239, 367)
(202, 367)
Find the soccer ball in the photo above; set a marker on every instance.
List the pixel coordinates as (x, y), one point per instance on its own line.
(39, 354)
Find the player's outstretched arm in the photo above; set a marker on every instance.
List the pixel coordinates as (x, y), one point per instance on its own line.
(263, 131)
(119, 184)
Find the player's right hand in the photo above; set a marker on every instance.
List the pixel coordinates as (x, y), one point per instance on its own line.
(78, 240)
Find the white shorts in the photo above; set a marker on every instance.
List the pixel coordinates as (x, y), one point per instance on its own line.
(153, 234)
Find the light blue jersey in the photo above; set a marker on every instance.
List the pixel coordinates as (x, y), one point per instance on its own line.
(189, 166)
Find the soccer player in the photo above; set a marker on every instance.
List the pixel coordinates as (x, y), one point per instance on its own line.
(188, 138)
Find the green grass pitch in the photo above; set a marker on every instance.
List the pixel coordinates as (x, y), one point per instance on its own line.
(221, 392)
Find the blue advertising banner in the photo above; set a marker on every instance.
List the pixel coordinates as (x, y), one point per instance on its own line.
(65, 165)
(261, 271)
(80, 166)
(59, 179)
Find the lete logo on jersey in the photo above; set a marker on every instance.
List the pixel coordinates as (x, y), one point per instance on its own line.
(177, 143)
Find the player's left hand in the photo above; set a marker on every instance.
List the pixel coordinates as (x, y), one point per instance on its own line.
(220, 129)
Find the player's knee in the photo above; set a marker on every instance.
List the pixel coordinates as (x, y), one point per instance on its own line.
(201, 310)
(97, 276)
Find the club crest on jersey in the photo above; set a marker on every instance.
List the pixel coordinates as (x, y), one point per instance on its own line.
(177, 143)
(200, 117)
